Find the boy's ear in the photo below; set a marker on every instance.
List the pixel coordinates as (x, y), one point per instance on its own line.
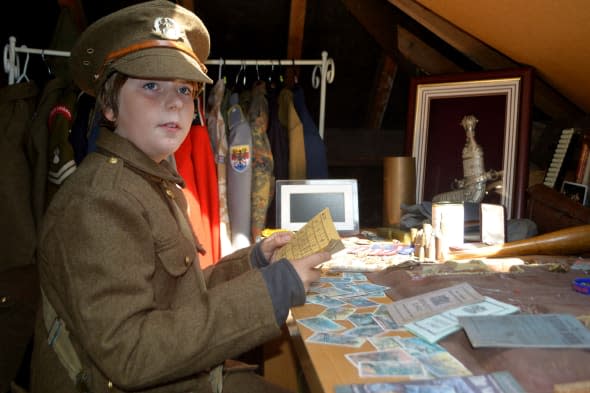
(108, 114)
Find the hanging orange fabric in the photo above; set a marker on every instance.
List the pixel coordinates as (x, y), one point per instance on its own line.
(196, 164)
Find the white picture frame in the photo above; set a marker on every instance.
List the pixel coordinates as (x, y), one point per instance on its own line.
(502, 102)
(297, 201)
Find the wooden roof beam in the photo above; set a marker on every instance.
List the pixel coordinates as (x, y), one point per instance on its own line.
(295, 39)
(188, 4)
(379, 20)
(382, 87)
(296, 28)
(423, 56)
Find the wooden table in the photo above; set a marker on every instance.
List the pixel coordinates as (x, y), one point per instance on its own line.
(325, 366)
(538, 289)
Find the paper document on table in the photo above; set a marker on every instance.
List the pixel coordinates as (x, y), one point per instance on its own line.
(431, 303)
(496, 382)
(526, 331)
(318, 234)
(437, 327)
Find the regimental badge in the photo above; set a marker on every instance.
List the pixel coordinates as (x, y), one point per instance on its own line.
(167, 28)
(239, 157)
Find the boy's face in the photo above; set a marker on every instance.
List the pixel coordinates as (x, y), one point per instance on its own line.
(155, 115)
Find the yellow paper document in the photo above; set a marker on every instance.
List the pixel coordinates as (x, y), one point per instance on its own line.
(318, 234)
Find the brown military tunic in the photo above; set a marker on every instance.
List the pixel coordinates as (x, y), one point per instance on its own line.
(115, 264)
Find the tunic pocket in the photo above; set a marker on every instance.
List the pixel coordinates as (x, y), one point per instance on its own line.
(177, 255)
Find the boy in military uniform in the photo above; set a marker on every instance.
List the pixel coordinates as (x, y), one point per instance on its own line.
(125, 306)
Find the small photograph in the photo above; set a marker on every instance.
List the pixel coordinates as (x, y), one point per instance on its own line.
(575, 191)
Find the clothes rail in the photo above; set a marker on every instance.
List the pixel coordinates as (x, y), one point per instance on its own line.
(325, 67)
(323, 72)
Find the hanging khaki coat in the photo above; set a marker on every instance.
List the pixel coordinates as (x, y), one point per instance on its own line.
(119, 270)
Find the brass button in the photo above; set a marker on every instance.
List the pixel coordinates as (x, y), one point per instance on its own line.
(4, 299)
(169, 193)
(113, 160)
(110, 385)
(187, 260)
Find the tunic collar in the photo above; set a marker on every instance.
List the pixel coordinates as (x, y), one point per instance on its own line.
(112, 144)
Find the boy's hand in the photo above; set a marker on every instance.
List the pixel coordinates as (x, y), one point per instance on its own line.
(305, 267)
(274, 242)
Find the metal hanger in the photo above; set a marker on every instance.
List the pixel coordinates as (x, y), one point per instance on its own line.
(220, 73)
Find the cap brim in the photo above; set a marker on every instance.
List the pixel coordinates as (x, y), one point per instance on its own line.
(161, 63)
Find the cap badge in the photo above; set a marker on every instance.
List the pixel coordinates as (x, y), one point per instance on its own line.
(167, 28)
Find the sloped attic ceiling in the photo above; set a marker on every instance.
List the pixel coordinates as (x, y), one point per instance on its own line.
(552, 36)
(503, 34)
(415, 40)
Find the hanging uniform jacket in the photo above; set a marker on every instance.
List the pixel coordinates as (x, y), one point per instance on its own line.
(17, 105)
(315, 150)
(278, 137)
(262, 162)
(62, 161)
(239, 174)
(24, 168)
(279, 147)
(82, 126)
(218, 135)
(18, 273)
(290, 120)
(196, 164)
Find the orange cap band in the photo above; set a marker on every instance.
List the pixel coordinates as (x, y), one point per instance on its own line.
(151, 44)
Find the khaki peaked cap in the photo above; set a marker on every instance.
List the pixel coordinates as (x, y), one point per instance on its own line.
(155, 39)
